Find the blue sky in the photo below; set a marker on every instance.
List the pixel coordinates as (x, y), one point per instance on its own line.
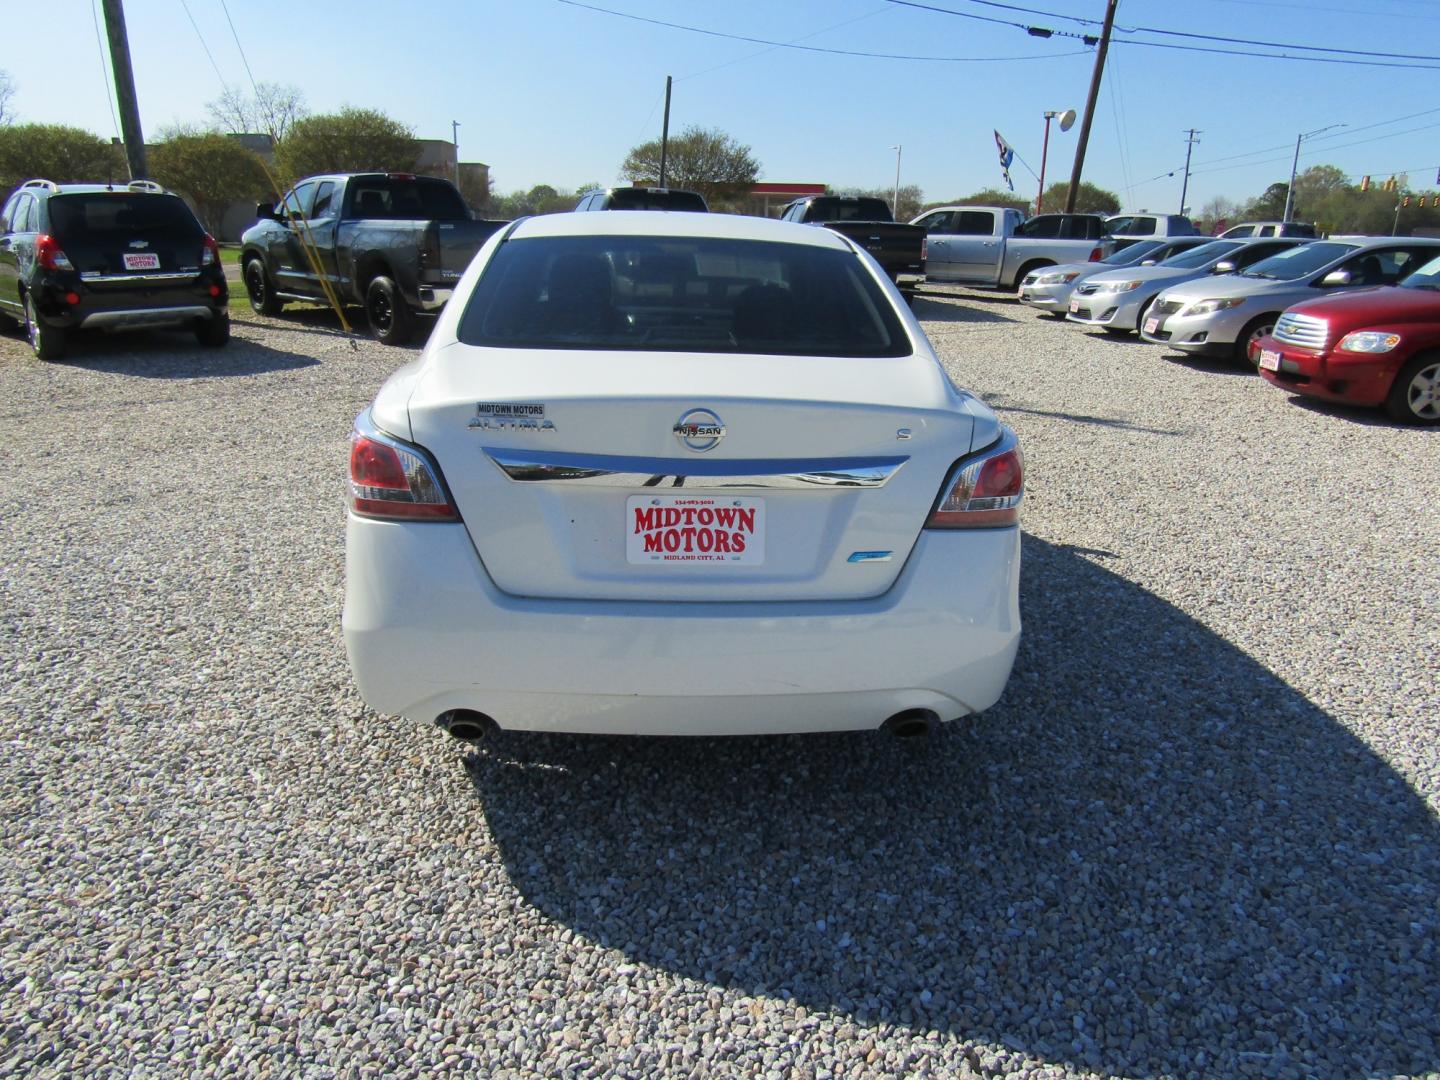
(550, 92)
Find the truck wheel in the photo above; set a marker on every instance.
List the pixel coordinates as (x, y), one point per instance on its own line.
(391, 321)
(214, 331)
(263, 300)
(1414, 396)
(48, 342)
(1025, 272)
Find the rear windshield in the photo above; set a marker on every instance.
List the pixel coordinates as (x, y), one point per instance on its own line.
(1296, 262)
(1205, 253)
(690, 294)
(640, 199)
(405, 199)
(1129, 256)
(849, 210)
(104, 213)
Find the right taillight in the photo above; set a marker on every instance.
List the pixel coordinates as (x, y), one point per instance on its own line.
(391, 480)
(49, 255)
(983, 491)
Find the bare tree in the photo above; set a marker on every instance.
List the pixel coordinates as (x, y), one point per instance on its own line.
(7, 91)
(273, 108)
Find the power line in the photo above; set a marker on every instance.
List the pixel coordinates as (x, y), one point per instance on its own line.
(104, 71)
(208, 55)
(243, 59)
(1041, 31)
(812, 48)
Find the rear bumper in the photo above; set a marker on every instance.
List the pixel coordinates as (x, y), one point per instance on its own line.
(129, 307)
(427, 631)
(433, 298)
(1363, 380)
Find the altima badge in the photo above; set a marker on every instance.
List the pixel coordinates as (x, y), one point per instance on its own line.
(699, 430)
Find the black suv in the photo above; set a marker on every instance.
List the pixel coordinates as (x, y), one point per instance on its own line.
(107, 257)
(642, 198)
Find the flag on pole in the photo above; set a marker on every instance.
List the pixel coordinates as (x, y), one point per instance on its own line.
(1007, 155)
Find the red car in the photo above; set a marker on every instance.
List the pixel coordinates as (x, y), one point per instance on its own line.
(1370, 347)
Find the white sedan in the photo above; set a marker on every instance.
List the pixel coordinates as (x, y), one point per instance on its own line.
(679, 474)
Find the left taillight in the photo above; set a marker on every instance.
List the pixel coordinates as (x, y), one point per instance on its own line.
(983, 491)
(49, 255)
(394, 481)
(1096, 254)
(209, 251)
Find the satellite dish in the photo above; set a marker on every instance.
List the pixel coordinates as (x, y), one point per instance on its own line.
(1067, 119)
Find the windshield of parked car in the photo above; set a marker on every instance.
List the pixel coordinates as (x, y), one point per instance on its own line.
(1425, 277)
(405, 199)
(114, 214)
(1129, 256)
(1130, 226)
(690, 294)
(652, 199)
(1203, 255)
(1296, 262)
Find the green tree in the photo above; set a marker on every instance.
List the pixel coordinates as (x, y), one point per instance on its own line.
(1269, 206)
(352, 140)
(698, 159)
(986, 197)
(540, 199)
(56, 152)
(1089, 200)
(213, 170)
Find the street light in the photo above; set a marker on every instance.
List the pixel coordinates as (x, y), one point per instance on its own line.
(1290, 189)
(1066, 119)
(895, 207)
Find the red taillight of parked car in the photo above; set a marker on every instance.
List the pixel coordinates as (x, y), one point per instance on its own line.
(1096, 254)
(49, 255)
(209, 251)
(984, 491)
(392, 482)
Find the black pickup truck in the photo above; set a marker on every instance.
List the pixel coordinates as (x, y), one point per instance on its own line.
(392, 243)
(899, 249)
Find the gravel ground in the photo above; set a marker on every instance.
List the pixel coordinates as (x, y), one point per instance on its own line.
(1197, 837)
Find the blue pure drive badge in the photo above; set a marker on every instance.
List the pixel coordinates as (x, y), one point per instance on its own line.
(511, 416)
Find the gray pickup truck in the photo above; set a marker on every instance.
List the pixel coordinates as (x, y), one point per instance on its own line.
(997, 246)
(899, 249)
(392, 243)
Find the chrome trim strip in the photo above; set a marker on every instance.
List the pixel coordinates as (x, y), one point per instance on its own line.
(147, 316)
(94, 275)
(602, 470)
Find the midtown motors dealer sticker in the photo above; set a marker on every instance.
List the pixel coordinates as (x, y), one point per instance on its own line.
(694, 529)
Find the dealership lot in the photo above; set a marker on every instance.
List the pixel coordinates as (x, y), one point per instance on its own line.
(1198, 834)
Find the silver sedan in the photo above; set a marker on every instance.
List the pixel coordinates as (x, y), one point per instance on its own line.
(1048, 289)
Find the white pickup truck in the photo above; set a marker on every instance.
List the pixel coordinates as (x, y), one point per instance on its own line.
(996, 246)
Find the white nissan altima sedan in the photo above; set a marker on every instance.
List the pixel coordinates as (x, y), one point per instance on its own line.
(680, 474)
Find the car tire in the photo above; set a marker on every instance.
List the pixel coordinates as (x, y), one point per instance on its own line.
(1414, 396)
(261, 289)
(47, 342)
(391, 321)
(1263, 326)
(214, 331)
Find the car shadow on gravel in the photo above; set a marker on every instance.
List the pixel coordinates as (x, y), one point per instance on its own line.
(173, 355)
(1153, 857)
(1357, 414)
(952, 309)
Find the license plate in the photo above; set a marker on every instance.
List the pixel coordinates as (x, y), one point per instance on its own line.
(141, 262)
(1151, 325)
(1074, 306)
(692, 530)
(1269, 359)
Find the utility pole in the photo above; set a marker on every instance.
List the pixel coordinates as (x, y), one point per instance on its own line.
(895, 206)
(125, 89)
(665, 132)
(1189, 146)
(1090, 106)
(455, 142)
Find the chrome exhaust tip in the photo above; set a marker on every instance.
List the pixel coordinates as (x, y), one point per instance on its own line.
(466, 724)
(911, 723)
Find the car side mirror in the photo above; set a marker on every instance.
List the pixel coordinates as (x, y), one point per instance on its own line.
(1147, 262)
(1335, 277)
(1224, 266)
